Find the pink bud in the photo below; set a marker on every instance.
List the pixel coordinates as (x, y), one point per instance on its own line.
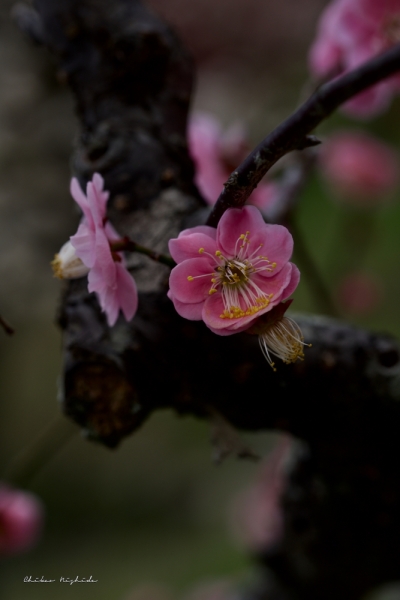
(21, 518)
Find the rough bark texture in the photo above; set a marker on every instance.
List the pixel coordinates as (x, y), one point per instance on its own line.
(131, 81)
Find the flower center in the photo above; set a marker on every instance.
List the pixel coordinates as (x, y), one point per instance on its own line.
(234, 277)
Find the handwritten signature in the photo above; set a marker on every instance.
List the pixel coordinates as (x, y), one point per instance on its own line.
(70, 580)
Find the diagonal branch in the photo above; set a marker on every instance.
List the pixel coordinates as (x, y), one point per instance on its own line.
(292, 133)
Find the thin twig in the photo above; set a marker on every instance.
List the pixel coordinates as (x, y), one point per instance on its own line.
(314, 278)
(293, 133)
(7, 328)
(31, 460)
(128, 245)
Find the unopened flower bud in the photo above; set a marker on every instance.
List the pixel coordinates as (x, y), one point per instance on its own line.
(67, 265)
(279, 336)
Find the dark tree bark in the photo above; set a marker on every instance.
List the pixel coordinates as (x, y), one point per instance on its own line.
(131, 80)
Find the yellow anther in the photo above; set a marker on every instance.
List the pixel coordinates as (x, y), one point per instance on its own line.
(201, 250)
(190, 278)
(273, 265)
(217, 253)
(212, 291)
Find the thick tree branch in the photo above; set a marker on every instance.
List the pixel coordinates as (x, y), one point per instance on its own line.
(292, 133)
(131, 82)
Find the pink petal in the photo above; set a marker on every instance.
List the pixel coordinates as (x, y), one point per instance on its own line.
(197, 289)
(206, 229)
(192, 312)
(188, 246)
(277, 246)
(81, 200)
(97, 199)
(84, 242)
(293, 283)
(234, 223)
(127, 295)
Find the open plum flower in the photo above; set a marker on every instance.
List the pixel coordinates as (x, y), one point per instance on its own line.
(236, 277)
(92, 252)
(351, 32)
(230, 276)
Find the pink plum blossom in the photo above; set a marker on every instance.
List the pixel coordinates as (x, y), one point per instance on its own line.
(361, 168)
(108, 276)
(359, 293)
(257, 517)
(21, 518)
(216, 154)
(231, 275)
(351, 32)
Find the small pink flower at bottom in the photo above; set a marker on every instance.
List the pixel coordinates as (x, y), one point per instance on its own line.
(230, 276)
(108, 276)
(21, 518)
(361, 168)
(216, 154)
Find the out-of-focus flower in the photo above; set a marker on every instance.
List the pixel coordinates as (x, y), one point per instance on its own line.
(216, 154)
(231, 275)
(21, 518)
(349, 33)
(108, 275)
(359, 293)
(67, 265)
(256, 515)
(361, 168)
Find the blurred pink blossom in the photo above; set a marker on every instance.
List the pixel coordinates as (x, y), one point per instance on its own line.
(359, 293)
(216, 154)
(108, 276)
(21, 518)
(361, 168)
(256, 516)
(349, 33)
(223, 275)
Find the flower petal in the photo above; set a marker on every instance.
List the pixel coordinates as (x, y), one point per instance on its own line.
(84, 242)
(188, 246)
(192, 312)
(127, 295)
(293, 283)
(196, 289)
(277, 246)
(236, 222)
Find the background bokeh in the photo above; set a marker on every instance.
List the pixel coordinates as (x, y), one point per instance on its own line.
(151, 519)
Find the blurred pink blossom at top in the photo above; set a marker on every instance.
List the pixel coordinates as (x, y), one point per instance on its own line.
(351, 32)
(361, 168)
(108, 276)
(216, 154)
(21, 518)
